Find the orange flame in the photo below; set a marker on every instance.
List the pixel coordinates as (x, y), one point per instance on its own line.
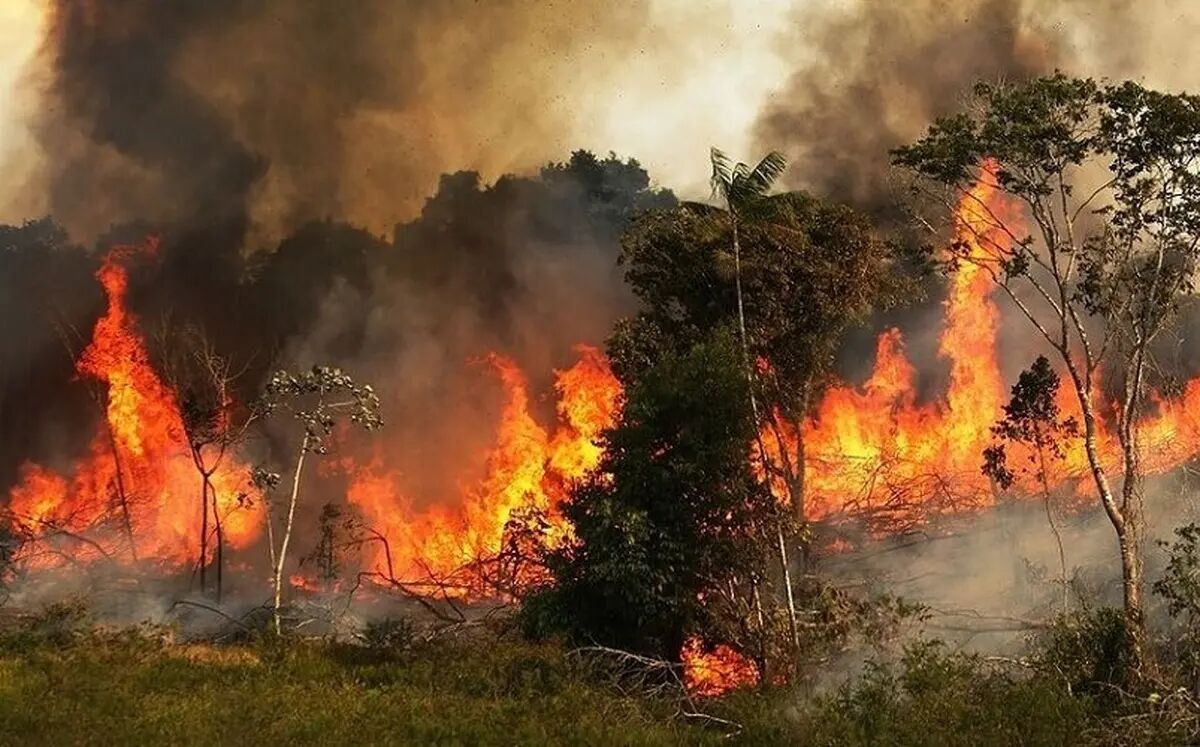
(528, 468)
(875, 448)
(138, 463)
(711, 673)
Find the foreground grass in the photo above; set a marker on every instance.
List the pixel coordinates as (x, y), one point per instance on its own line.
(125, 689)
(132, 688)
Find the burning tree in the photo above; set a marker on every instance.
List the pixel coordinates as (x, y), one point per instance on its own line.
(1108, 176)
(203, 381)
(318, 399)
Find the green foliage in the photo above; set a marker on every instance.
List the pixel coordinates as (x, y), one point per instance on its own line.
(809, 270)
(389, 635)
(1089, 650)
(1180, 582)
(738, 184)
(56, 624)
(935, 697)
(1179, 586)
(673, 512)
(132, 687)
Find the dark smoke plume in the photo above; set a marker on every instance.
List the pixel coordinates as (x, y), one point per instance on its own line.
(879, 74)
(873, 75)
(277, 112)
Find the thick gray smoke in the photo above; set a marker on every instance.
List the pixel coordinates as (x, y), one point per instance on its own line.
(872, 75)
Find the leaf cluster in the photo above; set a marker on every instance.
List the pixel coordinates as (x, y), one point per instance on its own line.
(1031, 418)
(809, 270)
(317, 398)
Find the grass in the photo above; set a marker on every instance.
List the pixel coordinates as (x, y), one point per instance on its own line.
(59, 686)
(126, 689)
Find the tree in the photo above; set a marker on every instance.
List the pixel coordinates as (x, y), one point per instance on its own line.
(317, 399)
(739, 187)
(809, 270)
(1108, 176)
(672, 519)
(1032, 421)
(203, 382)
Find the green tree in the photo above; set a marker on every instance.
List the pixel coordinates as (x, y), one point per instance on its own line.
(1107, 177)
(808, 271)
(1032, 420)
(672, 519)
(317, 399)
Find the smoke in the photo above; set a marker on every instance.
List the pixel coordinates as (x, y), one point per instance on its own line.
(868, 77)
(277, 112)
(992, 580)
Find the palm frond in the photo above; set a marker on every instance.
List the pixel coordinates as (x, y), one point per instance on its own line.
(722, 172)
(762, 178)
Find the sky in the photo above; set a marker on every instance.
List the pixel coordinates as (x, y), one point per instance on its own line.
(20, 36)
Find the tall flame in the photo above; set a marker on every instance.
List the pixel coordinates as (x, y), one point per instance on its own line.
(137, 471)
(529, 468)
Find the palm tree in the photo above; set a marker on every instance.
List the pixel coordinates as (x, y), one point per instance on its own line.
(739, 187)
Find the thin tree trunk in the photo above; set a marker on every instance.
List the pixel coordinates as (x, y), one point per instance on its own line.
(749, 371)
(1062, 555)
(787, 584)
(281, 558)
(203, 526)
(1132, 559)
(220, 559)
(122, 495)
(737, 281)
(1124, 523)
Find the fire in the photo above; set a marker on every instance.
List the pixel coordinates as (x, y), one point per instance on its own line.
(870, 444)
(711, 673)
(137, 478)
(875, 448)
(528, 470)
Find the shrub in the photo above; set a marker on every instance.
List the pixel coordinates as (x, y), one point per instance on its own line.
(1089, 651)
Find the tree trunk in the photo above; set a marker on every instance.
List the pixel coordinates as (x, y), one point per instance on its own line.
(281, 557)
(749, 370)
(793, 628)
(220, 559)
(737, 284)
(1126, 523)
(1062, 555)
(122, 495)
(1130, 540)
(203, 527)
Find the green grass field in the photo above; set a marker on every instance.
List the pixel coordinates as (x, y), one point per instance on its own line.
(133, 687)
(125, 689)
